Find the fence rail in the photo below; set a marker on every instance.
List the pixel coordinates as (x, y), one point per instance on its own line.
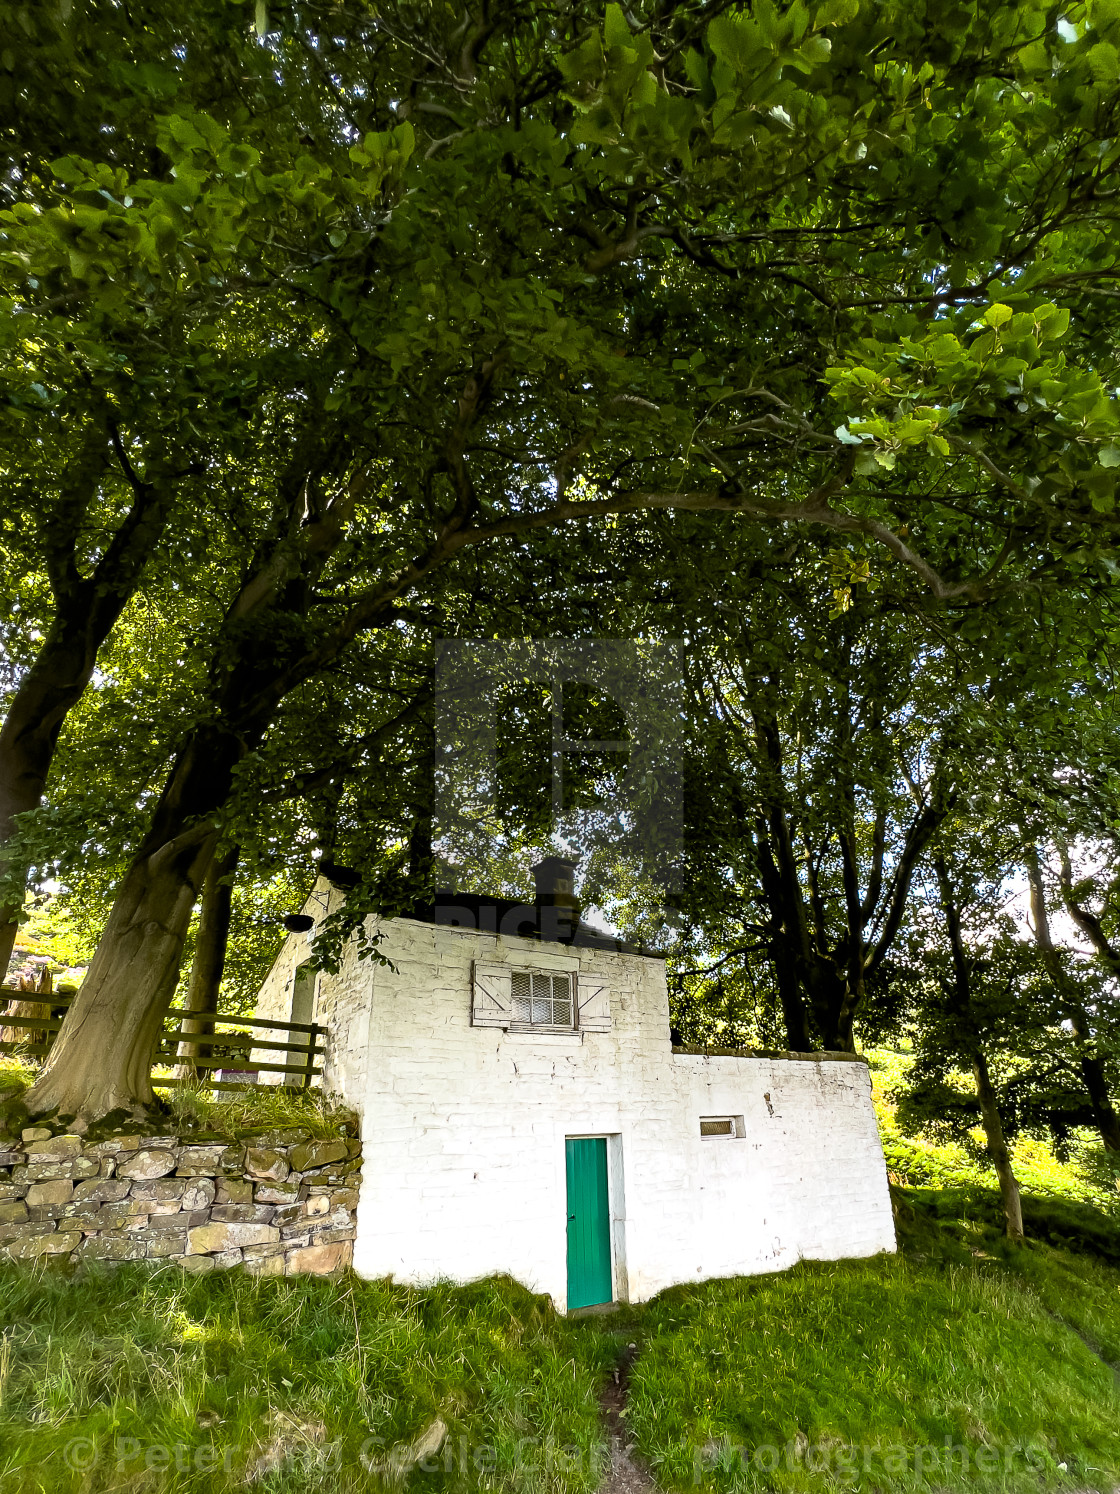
(303, 1043)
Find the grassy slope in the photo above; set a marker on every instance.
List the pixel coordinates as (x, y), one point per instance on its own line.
(831, 1377)
(334, 1374)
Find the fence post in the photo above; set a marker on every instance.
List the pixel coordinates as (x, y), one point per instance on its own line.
(312, 1044)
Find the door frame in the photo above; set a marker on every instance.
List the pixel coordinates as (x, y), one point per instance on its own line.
(616, 1208)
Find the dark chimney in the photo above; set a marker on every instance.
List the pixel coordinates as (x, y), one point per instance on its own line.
(557, 904)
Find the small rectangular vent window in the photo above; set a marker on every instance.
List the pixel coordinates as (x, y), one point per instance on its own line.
(541, 1000)
(721, 1125)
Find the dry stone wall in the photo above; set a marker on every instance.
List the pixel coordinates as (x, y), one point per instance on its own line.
(276, 1202)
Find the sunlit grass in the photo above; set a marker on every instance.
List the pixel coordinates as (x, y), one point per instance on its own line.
(833, 1377)
(924, 1162)
(140, 1359)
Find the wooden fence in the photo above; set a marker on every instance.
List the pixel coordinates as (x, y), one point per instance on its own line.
(217, 1050)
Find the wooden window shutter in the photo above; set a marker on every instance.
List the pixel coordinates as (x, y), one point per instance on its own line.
(491, 997)
(594, 1001)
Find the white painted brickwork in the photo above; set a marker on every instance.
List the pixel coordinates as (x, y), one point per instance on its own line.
(463, 1126)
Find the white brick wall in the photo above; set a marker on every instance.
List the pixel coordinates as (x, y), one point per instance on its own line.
(464, 1127)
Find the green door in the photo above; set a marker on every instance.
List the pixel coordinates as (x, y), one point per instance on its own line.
(589, 1223)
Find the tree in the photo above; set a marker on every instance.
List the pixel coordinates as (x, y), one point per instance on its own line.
(113, 410)
(834, 748)
(969, 1040)
(1071, 1004)
(521, 249)
(211, 943)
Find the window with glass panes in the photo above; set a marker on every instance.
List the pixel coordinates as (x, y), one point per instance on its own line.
(541, 1000)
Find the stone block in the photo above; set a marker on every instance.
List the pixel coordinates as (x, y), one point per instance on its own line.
(234, 1191)
(337, 1232)
(159, 1190)
(192, 1168)
(242, 1213)
(8, 1191)
(195, 1263)
(311, 1154)
(117, 1246)
(291, 1136)
(58, 1243)
(10, 1232)
(36, 1133)
(40, 1212)
(160, 1245)
(168, 1223)
(59, 1192)
(320, 1260)
(79, 1209)
(116, 1215)
(269, 1265)
(269, 1166)
(54, 1149)
(259, 1252)
(226, 1258)
(112, 1145)
(198, 1193)
(102, 1190)
(318, 1203)
(10, 1159)
(153, 1162)
(157, 1141)
(213, 1238)
(14, 1212)
(46, 1172)
(276, 1193)
(344, 1198)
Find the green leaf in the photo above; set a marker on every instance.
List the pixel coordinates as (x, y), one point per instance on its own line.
(616, 30)
(997, 314)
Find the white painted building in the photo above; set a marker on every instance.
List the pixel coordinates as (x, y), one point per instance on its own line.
(523, 1111)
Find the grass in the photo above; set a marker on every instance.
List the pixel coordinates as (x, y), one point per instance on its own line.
(208, 1373)
(192, 1111)
(886, 1374)
(268, 1106)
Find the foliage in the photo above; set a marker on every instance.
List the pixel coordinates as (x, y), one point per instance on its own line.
(918, 1159)
(491, 298)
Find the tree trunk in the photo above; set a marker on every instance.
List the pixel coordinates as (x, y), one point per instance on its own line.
(997, 1147)
(51, 687)
(209, 960)
(1092, 1069)
(86, 611)
(102, 1058)
(985, 1089)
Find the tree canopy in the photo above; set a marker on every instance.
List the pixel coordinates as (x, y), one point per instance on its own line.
(787, 330)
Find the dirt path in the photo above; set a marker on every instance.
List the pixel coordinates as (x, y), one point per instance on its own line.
(627, 1475)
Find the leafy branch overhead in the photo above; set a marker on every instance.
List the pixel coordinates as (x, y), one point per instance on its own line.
(322, 320)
